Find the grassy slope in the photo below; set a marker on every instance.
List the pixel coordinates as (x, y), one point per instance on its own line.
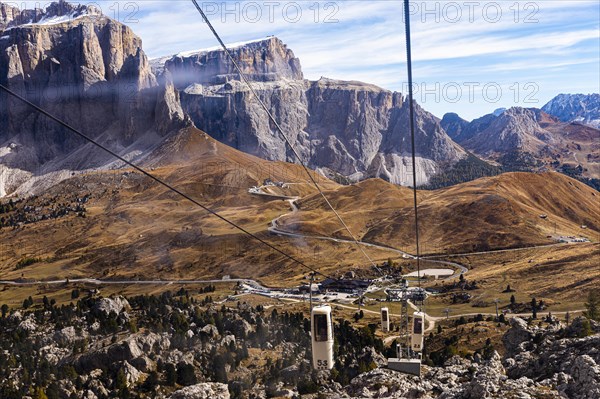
(489, 213)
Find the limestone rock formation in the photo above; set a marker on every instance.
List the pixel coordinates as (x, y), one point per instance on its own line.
(202, 391)
(112, 305)
(352, 128)
(89, 71)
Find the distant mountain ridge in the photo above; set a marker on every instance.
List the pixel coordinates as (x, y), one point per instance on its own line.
(583, 108)
(529, 139)
(91, 71)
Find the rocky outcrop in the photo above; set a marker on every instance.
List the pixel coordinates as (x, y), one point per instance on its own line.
(569, 364)
(112, 305)
(459, 378)
(517, 335)
(132, 375)
(133, 350)
(542, 360)
(28, 325)
(67, 336)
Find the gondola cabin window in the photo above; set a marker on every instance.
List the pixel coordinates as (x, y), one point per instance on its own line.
(418, 329)
(320, 327)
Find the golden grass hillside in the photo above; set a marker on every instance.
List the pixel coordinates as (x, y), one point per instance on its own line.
(135, 229)
(490, 213)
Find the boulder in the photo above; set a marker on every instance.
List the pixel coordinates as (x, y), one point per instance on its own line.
(28, 324)
(586, 378)
(15, 316)
(144, 364)
(112, 305)
(126, 350)
(132, 375)
(203, 391)
(228, 340)
(517, 334)
(67, 336)
(96, 386)
(210, 330)
(370, 355)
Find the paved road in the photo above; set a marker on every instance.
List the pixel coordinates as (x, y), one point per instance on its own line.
(253, 283)
(496, 251)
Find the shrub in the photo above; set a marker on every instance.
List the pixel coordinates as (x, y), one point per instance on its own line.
(26, 262)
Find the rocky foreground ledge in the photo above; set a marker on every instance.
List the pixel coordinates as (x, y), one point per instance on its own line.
(180, 347)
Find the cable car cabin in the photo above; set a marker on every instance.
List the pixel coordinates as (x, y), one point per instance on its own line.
(385, 320)
(417, 332)
(322, 337)
(418, 296)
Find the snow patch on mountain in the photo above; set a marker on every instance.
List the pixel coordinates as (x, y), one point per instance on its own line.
(230, 46)
(158, 64)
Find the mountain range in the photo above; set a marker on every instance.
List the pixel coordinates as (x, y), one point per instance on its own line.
(91, 71)
(529, 139)
(576, 108)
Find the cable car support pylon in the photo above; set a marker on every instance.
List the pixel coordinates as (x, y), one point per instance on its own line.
(409, 349)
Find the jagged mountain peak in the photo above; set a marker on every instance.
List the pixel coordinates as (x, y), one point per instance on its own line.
(516, 128)
(57, 12)
(454, 125)
(353, 128)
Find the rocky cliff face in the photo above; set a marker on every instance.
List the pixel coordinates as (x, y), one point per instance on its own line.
(575, 108)
(263, 60)
(351, 128)
(8, 14)
(84, 68)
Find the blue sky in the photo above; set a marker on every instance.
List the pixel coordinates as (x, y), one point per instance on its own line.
(470, 57)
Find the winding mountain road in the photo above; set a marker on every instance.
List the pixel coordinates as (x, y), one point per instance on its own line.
(274, 228)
